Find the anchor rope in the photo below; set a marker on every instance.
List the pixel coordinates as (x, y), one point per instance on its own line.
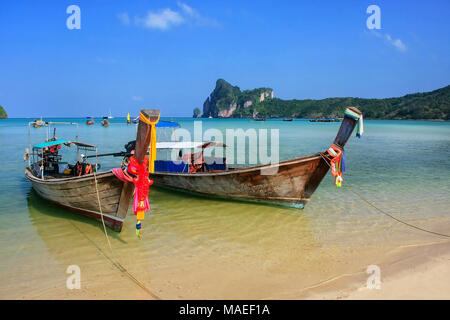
(384, 212)
(114, 260)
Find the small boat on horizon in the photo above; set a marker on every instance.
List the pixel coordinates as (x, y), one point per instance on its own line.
(105, 122)
(288, 119)
(90, 121)
(325, 120)
(38, 123)
(259, 118)
(128, 118)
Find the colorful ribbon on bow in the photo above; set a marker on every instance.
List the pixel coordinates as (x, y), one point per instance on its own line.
(359, 117)
(138, 174)
(337, 163)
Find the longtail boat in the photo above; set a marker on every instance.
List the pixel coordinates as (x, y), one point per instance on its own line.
(38, 123)
(90, 121)
(79, 186)
(105, 122)
(287, 183)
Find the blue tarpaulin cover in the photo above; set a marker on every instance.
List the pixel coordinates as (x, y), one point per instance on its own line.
(167, 124)
(49, 144)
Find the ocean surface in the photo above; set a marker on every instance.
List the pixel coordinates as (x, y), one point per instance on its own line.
(204, 248)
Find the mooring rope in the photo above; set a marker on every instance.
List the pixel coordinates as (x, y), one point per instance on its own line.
(114, 260)
(385, 213)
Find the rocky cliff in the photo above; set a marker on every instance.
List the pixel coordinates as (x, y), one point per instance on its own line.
(226, 99)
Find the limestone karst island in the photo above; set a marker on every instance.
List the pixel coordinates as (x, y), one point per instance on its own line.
(228, 101)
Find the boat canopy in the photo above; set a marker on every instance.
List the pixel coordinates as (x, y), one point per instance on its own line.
(167, 124)
(67, 143)
(82, 144)
(188, 144)
(49, 144)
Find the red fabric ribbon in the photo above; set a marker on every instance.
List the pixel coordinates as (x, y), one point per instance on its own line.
(138, 174)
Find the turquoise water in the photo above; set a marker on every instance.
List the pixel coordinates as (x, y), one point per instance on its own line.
(203, 248)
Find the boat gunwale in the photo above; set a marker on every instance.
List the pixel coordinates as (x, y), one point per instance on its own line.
(236, 170)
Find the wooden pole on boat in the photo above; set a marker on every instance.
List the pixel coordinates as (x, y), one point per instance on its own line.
(344, 133)
(346, 129)
(143, 137)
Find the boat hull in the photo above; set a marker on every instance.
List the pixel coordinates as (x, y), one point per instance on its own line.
(289, 183)
(79, 194)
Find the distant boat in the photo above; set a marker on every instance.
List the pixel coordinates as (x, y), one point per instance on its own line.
(128, 118)
(90, 121)
(289, 119)
(105, 121)
(259, 119)
(136, 120)
(210, 117)
(110, 116)
(325, 120)
(38, 123)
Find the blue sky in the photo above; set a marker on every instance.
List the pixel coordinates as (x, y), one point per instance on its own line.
(168, 54)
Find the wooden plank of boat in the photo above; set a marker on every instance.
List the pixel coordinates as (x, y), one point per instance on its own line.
(79, 194)
(292, 183)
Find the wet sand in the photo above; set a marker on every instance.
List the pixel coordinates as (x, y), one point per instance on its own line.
(419, 272)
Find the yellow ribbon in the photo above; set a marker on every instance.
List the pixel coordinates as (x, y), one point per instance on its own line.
(152, 157)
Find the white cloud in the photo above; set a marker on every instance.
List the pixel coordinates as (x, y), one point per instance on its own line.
(166, 18)
(186, 9)
(124, 18)
(163, 19)
(136, 98)
(397, 43)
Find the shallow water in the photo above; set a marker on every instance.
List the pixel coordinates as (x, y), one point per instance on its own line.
(204, 248)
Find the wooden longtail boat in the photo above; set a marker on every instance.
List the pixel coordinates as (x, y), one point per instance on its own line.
(90, 121)
(105, 122)
(75, 188)
(38, 123)
(288, 183)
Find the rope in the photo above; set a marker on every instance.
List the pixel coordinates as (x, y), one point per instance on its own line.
(114, 260)
(384, 212)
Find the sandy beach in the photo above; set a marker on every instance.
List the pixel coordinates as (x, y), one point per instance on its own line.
(411, 273)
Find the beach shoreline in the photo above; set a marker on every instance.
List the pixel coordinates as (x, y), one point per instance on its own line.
(407, 273)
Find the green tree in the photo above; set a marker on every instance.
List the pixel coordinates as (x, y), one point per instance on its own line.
(3, 114)
(197, 113)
